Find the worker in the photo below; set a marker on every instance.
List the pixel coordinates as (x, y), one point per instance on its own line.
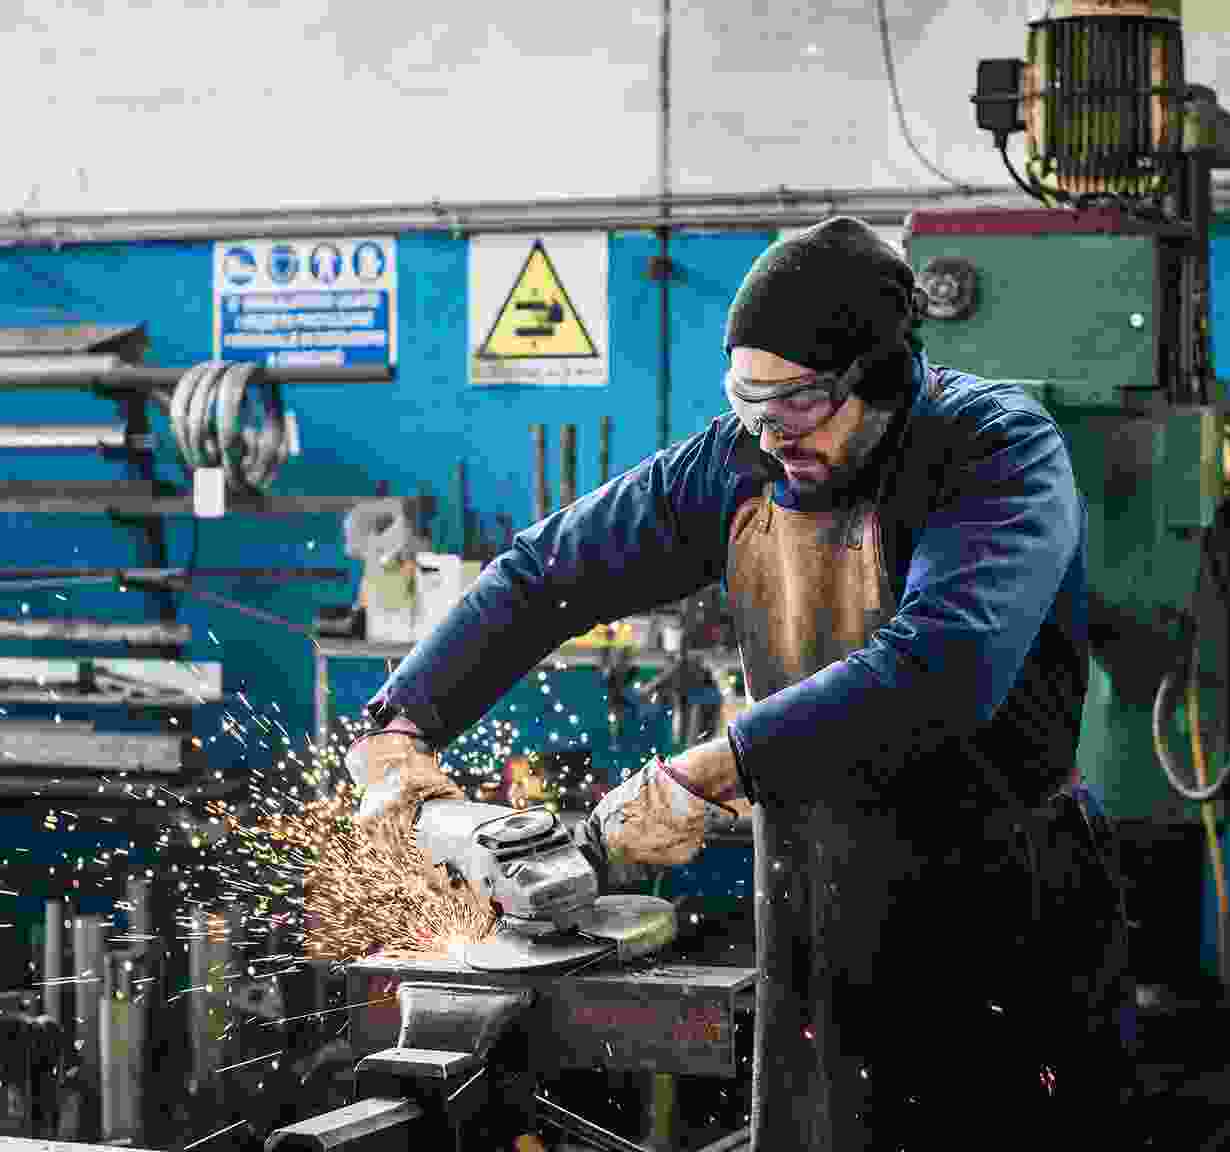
(941, 947)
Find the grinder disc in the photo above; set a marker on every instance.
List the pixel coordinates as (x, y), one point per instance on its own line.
(508, 950)
(639, 925)
(625, 926)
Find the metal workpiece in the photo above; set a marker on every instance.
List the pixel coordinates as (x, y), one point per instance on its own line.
(669, 1018)
(372, 1125)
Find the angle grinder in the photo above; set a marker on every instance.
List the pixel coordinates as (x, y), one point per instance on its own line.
(524, 864)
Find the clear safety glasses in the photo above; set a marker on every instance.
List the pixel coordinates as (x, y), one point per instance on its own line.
(791, 407)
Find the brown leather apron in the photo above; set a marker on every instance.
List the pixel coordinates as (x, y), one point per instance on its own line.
(807, 589)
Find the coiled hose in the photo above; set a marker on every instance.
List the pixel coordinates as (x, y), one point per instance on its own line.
(206, 410)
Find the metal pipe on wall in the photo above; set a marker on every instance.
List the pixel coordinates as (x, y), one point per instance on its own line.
(53, 960)
(567, 465)
(538, 442)
(591, 213)
(604, 450)
(88, 371)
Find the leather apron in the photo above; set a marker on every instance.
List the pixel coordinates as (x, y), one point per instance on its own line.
(863, 924)
(807, 589)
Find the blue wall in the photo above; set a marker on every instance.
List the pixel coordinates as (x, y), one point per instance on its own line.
(410, 434)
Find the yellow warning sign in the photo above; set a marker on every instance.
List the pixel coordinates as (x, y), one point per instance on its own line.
(537, 321)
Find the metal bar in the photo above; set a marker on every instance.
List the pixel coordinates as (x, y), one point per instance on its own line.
(61, 750)
(735, 1140)
(53, 960)
(88, 958)
(244, 609)
(538, 440)
(18, 1144)
(154, 575)
(62, 438)
(604, 450)
(139, 1004)
(322, 694)
(137, 499)
(97, 632)
(575, 1125)
(107, 371)
(567, 465)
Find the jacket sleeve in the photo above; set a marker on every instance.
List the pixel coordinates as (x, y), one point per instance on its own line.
(650, 537)
(984, 574)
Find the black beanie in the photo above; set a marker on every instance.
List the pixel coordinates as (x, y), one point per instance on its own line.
(827, 296)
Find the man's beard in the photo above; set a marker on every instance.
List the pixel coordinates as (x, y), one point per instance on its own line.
(864, 440)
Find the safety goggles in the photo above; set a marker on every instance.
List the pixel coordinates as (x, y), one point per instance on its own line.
(791, 407)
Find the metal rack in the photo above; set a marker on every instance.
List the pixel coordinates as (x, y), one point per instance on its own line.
(719, 662)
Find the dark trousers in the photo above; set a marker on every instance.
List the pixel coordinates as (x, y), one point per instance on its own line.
(934, 986)
(1029, 1046)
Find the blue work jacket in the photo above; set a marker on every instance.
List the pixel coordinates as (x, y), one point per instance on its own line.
(974, 687)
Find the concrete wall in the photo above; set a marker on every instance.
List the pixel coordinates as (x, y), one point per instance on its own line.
(228, 104)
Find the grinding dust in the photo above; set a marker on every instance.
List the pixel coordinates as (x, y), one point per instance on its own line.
(367, 887)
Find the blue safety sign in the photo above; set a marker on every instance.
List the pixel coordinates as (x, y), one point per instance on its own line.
(326, 302)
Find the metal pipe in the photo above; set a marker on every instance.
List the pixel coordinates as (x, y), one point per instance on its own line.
(459, 542)
(62, 437)
(112, 372)
(604, 450)
(341, 219)
(567, 465)
(97, 632)
(140, 1004)
(153, 575)
(53, 960)
(88, 958)
(793, 216)
(538, 438)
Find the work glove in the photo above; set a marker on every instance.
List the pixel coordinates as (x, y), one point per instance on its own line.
(398, 769)
(653, 818)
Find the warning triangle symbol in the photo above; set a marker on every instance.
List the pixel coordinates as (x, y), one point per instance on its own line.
(537, 320)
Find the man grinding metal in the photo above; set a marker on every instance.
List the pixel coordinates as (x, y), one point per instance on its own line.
(939, 933)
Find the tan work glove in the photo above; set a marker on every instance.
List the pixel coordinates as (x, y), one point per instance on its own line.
(397, 767)
(653, 817)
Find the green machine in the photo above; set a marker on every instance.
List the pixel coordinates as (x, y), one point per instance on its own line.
(1097, 300)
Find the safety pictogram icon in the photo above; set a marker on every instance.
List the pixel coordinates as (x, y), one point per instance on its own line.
(537, 320)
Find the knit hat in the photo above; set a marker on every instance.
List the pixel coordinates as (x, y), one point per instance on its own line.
(826, 297)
